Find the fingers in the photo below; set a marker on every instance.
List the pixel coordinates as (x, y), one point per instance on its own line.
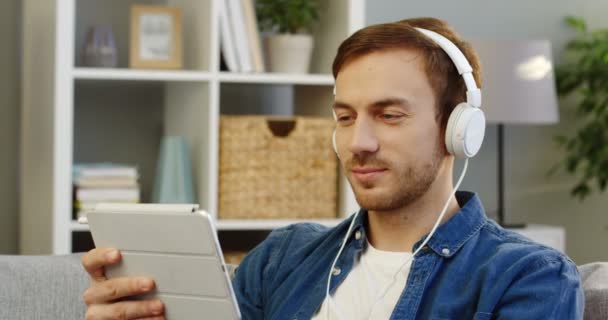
(114, 289)
(96, 260)
(101, 297)
(146, 309)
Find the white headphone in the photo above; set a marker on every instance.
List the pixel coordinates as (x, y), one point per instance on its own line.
(467, 123)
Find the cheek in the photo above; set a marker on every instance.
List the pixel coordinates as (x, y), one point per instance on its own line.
(412, 143)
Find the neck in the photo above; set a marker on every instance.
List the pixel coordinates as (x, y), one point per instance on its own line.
(400, 229)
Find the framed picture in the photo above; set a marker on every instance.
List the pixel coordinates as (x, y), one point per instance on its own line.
(156, 37)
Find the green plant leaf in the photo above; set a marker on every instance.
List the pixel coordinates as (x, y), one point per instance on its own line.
(577, 44)
(567, 78)
(583, 76)
(571, 164)
(580, 191)
(576, 23)
(560, 140)
(287, 16)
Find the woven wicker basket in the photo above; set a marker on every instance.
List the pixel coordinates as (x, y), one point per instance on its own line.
(271, 171)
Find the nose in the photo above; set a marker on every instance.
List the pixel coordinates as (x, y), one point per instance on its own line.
(363, 139)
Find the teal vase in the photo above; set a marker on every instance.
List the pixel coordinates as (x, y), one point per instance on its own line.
(174, 173)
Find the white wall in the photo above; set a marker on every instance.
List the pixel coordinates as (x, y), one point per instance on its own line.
(9, 124)
(531, 196)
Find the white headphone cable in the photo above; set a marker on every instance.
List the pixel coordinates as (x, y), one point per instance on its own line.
(327, 296)
(426, 240)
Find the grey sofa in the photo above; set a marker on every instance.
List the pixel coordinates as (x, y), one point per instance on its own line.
(51, 287)
(42, 287)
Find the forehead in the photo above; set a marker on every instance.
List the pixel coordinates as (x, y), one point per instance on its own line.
(391, 73)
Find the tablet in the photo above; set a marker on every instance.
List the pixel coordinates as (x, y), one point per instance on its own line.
(176, 245)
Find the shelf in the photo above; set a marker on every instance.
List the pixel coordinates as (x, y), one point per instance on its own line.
(268, 224)
(188, 75)
(242, 224)
(278, 78)
(140, 75)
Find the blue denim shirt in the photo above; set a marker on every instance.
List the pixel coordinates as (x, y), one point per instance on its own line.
(470, 269)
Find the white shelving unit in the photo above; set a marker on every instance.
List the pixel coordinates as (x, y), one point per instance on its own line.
(231, 225)
(73, 113)
(140, 75)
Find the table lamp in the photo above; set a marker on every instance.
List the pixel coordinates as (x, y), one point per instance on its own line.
(518, 87)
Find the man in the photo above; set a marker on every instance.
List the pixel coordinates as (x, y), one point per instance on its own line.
(395, 90)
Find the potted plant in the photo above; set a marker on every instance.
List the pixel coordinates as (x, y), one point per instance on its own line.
(584, 77)
(290, 43)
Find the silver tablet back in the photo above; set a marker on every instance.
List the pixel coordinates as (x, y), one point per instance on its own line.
(177, 246)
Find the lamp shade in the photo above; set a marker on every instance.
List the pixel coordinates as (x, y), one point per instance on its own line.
(518, 84)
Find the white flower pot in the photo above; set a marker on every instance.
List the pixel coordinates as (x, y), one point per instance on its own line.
(289, 53)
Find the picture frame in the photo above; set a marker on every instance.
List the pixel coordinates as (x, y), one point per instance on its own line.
(156, 37)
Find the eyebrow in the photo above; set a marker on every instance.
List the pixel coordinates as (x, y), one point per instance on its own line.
(380, 104)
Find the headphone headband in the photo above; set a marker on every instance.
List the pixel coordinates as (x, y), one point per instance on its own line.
(460, 61)
(466, 125)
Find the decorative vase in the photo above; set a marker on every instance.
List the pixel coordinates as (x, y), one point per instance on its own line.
(174, 173)
(289, 53)
(99, 48)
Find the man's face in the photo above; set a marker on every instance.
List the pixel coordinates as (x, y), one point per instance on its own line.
(387, 135)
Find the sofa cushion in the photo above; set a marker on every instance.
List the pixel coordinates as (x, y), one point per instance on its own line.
(594, 277)
(42, 287)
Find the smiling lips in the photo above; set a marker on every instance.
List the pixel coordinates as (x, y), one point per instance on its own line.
(367, 174)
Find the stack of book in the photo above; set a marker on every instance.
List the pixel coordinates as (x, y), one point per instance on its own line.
(103, 182)
(240, 36)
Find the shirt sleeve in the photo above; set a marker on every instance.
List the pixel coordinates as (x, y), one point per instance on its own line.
(248, 282)
(549, 288)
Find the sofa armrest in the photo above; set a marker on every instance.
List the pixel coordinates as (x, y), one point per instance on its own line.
(594, 277)
(42, 287)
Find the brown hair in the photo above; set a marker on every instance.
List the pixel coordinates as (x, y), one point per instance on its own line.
(443, 76)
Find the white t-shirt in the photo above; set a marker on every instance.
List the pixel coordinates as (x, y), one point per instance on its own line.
(372, 273)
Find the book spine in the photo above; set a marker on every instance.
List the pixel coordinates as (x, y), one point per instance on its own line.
(253, 33)
(227, 39)
(240, 33)
(91, 195)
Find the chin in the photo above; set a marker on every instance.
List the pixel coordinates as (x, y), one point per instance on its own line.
(383, 198)
(374, 198)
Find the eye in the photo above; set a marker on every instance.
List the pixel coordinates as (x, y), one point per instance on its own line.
(390, 116)
(345, 118)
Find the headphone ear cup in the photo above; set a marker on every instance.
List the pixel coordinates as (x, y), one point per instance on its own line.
(465, 131)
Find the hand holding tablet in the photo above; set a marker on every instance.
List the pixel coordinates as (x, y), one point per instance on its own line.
(174, 245)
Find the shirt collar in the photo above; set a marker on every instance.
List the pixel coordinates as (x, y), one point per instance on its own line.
(451, 235)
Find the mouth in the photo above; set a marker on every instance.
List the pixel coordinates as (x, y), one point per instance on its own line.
(367, 174)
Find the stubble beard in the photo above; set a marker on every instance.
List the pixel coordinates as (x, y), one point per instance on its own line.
(411, 183)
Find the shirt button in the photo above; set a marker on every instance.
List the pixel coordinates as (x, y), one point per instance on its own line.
(445, 251)
(358, 234)
(336, 271)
